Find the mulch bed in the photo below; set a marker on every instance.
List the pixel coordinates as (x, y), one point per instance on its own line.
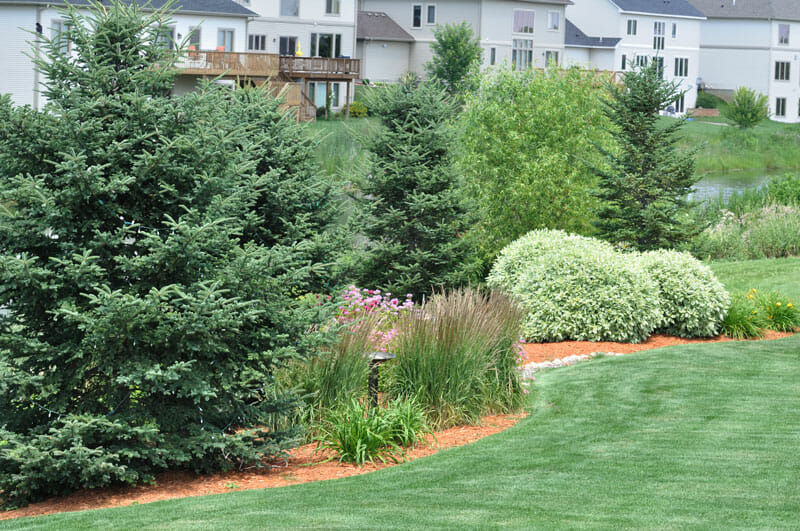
(305, 465)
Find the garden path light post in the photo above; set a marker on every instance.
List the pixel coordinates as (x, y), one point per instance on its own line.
(375, 359)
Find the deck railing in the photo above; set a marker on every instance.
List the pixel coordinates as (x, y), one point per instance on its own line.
(230, 63)
(268, 65)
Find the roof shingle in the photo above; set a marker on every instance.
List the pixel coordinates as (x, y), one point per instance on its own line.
(758, 9)
(678, 8)
(211, 7)
(378, 26)
(574, 37)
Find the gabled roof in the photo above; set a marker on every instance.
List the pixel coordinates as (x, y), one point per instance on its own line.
(206, 7)
(378, 26)
(575, 38)
(676, 8)
(758, 9)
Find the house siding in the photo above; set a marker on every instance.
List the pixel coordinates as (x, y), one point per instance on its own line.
(18, 72)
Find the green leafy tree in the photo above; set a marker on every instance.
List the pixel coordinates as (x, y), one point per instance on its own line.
(413, 218)
(528, 143)
(643, 190)
(747, 109)
(153, 251)
(456, 58)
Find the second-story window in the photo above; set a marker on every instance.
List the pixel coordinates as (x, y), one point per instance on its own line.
(523, 21)
(166, 37)
(290, 8)
(257, 43)
(431, 14)
(332, 7)
(194, 37)
(781, 71)
(326, 45)
(681, 67)
(658, 35)
(674, 30)
(632, 26)
(552, 20)
(225, 40)
(416, 16)
(60, 34)
(783, 33)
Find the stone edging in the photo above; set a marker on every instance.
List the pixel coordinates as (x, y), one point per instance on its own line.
(527, 371)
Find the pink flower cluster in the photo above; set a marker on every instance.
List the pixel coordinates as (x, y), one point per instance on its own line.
(359, 303)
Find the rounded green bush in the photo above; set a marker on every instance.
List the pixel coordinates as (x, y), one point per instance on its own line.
(693, 301)
(574, 287)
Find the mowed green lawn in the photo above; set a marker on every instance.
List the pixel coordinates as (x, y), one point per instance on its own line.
(689, 436)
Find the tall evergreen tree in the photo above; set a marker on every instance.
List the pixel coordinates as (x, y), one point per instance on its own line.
(644, 191)
(415, 218)
(152, 255)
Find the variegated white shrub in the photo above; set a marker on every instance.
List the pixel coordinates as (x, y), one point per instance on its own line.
(579, 288)
(693, 301)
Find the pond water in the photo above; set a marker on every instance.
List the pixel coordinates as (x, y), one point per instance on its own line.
(713, 184)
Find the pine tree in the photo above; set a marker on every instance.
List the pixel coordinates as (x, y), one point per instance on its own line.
(415, 218)
(153, 252)
(644, 193)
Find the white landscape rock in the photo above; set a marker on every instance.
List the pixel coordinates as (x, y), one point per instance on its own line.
(529, 369)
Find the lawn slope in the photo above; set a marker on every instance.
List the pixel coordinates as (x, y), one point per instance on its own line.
(694, 435)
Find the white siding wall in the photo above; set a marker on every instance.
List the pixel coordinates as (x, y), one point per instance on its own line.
(789, 53)
(597, 18)
(17, 76)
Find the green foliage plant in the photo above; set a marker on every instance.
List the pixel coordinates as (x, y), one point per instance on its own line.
(784, 190)
(358, 435)
(743, 320)
(579, 288)
(358, 109)
(456, 357)
(708, 101)
(456, 57)
(747, 109)
(411, 210)
(154, 251)
(778, 312)
(643, 188)
(529, 142)
(693, 302)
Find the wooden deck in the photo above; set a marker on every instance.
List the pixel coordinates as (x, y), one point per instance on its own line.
(266, 65)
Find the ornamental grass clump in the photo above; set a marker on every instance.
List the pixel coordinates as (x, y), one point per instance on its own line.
(574, 287)
(743, 321)
(778, 312)
(693, 302)
(456, 356)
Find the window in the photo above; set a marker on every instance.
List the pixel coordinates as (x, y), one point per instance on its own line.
(550, 57)
(632, 26)
(431, 12)
(681, 67)
(783, 33)
(659, 61)
(316, 93)
(780, 107)
(680, 104)
(287, 46)
(552, 20)
(60, 34)
(416, 16)
(674, 30)
(492, 56)
(290, 8)
(798, 107)
(332, 7)
(658, 35)
(166, 37)
(781, 71)
(523, 21)
(522, 54)
(225, 40)
(194, 37)
(257, 42)
(326, 45)
(624, 62)
(641, 61)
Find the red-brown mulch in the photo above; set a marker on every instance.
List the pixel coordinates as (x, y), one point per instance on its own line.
(305, 465)
(539, 352)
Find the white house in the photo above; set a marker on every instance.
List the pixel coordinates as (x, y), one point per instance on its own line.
(394, 36)
(306, 28)
(754, 44)
(666, 31)
(213, 24)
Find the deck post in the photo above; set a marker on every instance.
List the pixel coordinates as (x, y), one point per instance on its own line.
(347, 102)
(327, 96)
